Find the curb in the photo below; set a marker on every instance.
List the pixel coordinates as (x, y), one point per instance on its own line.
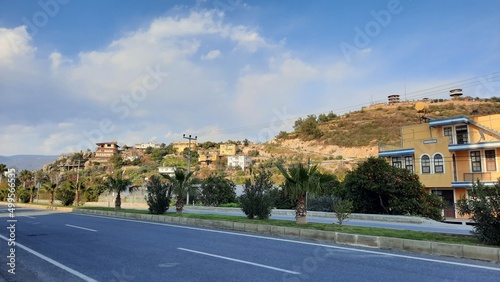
(425, 247)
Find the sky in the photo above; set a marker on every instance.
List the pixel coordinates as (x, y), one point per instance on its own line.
(74, 73)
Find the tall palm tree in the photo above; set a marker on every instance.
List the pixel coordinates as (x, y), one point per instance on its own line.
(25, 176)
(3, 168)
(117, 184)
(299, 180)
(181, 187)
(51, 189)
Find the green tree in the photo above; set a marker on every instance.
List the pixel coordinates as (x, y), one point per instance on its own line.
(158, 196)
(483, 207)
(118, 185)
(299, 180)
(308, 127)
(182, 186)
(66, 193)
(377, 187)
(51, 189)
(217, 190)
(25, 176)
(257, 199)
(3, 168)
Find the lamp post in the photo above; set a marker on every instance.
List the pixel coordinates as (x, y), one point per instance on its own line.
(189, 138)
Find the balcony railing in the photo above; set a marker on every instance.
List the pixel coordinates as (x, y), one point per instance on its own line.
(481, 176)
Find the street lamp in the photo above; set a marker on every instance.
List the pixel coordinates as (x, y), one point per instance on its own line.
(189, 138)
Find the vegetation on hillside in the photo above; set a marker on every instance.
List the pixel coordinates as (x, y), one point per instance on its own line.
(380, 123)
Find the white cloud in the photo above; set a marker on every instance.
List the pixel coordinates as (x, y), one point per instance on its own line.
(15, 45)
(212, 54)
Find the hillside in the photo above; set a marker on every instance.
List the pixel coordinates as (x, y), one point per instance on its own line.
(382, 122)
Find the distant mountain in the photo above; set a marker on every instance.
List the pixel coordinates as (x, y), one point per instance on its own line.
(29, 162)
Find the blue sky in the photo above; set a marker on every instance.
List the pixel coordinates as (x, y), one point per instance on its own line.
(73, 73)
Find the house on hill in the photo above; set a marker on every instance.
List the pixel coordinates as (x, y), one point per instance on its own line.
(105, 150)
(449, 155)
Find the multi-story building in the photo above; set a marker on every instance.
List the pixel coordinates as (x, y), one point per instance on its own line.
(208, 157)
(449, 155)
(105, 150)
(179, 147)
(243, 162)
(228, 149)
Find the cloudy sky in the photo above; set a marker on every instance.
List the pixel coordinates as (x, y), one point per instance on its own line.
(73, 73)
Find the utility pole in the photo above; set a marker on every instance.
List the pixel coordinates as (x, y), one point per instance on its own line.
(189, 138)
(77, 194)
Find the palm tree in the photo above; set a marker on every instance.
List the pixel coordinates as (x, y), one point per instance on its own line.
(181, 187)
(299, 180)
(25, 176)
(51, 188)
(117, 184)
(3, 168)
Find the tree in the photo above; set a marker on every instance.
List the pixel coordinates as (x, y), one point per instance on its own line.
(377, 187)
(300, 180)
(3, 168)
(66, 193)
(217, 190)
(182, 185)
(25, 176)
(342, 209)
(257, 199)
(118, 185)
(483, 206)
(158, 196)
(308, 127)
(51, 189)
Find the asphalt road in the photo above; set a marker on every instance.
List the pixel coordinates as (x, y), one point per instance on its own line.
(52, 246)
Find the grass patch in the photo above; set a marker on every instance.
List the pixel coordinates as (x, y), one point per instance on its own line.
(371, 231)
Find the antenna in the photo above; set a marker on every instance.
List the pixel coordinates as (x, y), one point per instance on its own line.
(481, 133)
(422, 109)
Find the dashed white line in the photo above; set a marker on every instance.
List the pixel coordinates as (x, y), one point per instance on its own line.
(79, 227)
(240, 261)
(47, 259)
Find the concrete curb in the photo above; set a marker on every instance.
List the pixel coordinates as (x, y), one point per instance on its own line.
(491, 254)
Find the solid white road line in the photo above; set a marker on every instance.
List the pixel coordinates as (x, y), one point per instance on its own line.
(28, 216)
(302, 243)
(74, 226)
(47, 259)
(240, 261)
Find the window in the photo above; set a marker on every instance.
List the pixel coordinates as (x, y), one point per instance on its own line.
(396, 162)
(475, 159)
(426, 164)
(448, 131)
(491, 164)
(462, 134)
(438, 163)
(409, 163)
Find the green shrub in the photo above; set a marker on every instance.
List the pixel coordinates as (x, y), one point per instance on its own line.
(257, 199)
(158, 195)
(23, 195)
(320, 203)
(342, 209)
(66, 194)
(483, 205)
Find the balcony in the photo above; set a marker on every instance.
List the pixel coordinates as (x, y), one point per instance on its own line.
(481, 176)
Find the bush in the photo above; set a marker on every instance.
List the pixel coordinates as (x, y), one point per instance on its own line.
(230, 205)
(257, 199)
(483, 206)
(158, 195)
(66, 194)
(217, 190)
(342, 209)
(23, 195)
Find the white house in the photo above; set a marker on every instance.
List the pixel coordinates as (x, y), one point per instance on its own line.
(243, 162)
(147, 145)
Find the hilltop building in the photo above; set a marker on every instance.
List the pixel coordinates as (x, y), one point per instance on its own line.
(243, 162)
(105, 150)
(147, 145)
(228, 149)
(179, 147)
(449, 155)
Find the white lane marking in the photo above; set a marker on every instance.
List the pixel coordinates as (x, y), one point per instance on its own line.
(74, 226)
(302, 243)
(47, 259)
(240, 261)
(28, 216)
